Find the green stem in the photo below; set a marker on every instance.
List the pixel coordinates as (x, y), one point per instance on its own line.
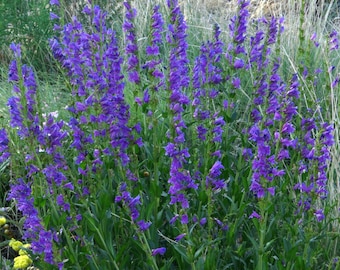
(146, 247)
(263, 228)
(189, 249)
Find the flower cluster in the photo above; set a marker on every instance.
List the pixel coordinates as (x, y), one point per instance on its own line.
(315, 152)
(22, 105)
(153, 65)
(25, 118)
(238, 31)
(275, 136)
(132, 203)
(23, 260)
(180, 179)
(207, 76)
(33, 229)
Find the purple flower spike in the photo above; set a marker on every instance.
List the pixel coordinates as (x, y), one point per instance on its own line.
(333, 41)
(180, 179)
(41, 240)
(238, 26)
(131, 43)
(4, 149)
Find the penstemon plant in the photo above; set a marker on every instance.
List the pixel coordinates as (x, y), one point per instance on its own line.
(165, 162)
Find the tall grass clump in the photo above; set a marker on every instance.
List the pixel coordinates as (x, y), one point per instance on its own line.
(169, 157)
(27, 23)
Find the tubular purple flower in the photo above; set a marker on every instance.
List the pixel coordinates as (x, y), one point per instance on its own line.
(16, 49)
(239, 63)
(319, 215)
(53, 16)
(236, 82)
(173, 219)
(13, 72)
(184, 219)
(254, 215)
(180, 237)
(60, 201)
(203, 221)
(143, 225)
(158, 251)
(54, 2)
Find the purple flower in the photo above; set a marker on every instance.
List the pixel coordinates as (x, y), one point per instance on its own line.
(173, 219)
(53, 16)
(16, 50)
(184, 219)
(180, 237)
(254, 214)
(215, 170)
(203, 221)
(143, 226)
(257, 189)
(158, 251)
(319, 215)
(223, 226)
(132, 203)
(287, 128)
(61, 202)
(239, 63)
(54, 2)
(236, 82)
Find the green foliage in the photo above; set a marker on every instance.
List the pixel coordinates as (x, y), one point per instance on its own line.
(27, 23)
